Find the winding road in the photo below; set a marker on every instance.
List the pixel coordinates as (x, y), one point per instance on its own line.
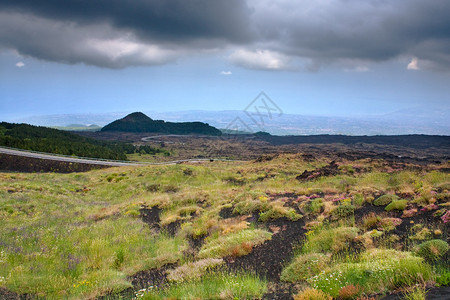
(96, 161)
(49, 156)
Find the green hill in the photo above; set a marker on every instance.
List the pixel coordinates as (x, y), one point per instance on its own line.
(139, 122)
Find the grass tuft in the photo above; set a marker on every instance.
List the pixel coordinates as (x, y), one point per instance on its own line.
(235, 244)
(213, 286)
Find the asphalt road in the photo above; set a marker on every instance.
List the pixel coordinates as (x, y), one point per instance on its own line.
(67, 159)
(94, 161)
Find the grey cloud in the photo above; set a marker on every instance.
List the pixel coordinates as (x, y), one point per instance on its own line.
(374, 31)
(167, 20)
(146, 32)
(95, 44)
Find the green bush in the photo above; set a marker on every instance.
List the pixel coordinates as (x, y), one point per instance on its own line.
(268, 210)
(385, 199)
(305, 266)
(420, 233)
(276, 211)
(330, 240)
(371, 221)
(342, 211)
(432, 250)
(315, 206)
(397, 205)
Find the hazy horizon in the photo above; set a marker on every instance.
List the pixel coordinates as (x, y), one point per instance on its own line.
(414, 121)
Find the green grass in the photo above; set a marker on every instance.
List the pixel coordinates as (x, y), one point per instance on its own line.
(305, 266)
(78, 236)
(432, 250)
(443, 276)
(53, 259)
(418, 293)
(59, 242)
(329, 240)
(213, 286)
(397, 205)
(236, 244)
(193, 270)
(385, 199)
(377, 271)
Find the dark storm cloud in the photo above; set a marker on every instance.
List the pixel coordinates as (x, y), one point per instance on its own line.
(161, 19)
(374, 31)
(266, 34)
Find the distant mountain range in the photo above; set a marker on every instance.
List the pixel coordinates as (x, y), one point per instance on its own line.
(139, 122)
(419, 120)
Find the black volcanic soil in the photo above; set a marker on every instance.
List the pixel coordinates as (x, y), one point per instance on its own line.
(418, 149)
(412, 141)
(152, 278)
(8, 295)
(150, 216)
(29, 164)
(329, 170)
(440, 293)
(268, 259)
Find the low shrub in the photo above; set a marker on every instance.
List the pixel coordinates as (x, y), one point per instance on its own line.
(446, 217)
(248, 206)
(418, 293)
(342, 211)
(200, 226)
(276, 210)
(385, 199)
(154, 187)
(193, 270)
(179, 214)
(212, 286)
(358, 200)
(389, 224)
(235, 180)
(236, 244)
(397, 205)
(371, 221)
(231, 225)
(330, 240)
(312, 294)
(377, 271)
(268, 210)
(315, 206)
(421, 233)
(409, 213)
(432, 250)
(349, 292)
(305, 266)
(374, 233)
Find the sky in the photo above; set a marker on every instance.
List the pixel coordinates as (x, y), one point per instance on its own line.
(322, 57)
